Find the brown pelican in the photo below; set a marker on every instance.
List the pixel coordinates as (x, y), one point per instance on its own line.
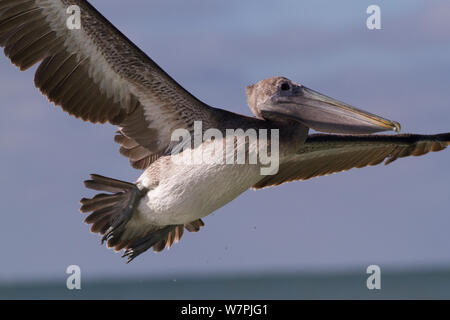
(97, 74)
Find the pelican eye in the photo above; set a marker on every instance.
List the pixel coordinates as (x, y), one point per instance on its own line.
(285, 86)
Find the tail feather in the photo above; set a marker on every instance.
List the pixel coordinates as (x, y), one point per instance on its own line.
(194, 226)
(98, 214)
(101, 201)
(102, 183)
(117, 242)
(101, 225)
(111, 213)
(157, 240)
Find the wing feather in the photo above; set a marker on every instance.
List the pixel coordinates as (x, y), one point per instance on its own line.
(324, 154)
(97, 74)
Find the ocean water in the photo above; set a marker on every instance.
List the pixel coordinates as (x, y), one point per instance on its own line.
(413, 284)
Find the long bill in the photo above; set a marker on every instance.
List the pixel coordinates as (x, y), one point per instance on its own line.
(326, 114)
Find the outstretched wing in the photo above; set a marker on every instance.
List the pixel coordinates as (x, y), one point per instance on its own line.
(95, 73)
(323, 154)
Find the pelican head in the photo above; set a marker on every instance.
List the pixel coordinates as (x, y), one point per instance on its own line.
(281, 98)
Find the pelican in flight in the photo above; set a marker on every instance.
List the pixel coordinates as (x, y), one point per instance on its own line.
(95, 73)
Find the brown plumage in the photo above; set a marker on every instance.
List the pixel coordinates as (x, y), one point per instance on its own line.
(97, 74)
(109, 218)
(324, 154)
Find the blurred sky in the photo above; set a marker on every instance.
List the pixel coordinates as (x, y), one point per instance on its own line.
(394, 216)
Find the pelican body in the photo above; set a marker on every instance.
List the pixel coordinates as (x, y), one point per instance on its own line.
(95, 73)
